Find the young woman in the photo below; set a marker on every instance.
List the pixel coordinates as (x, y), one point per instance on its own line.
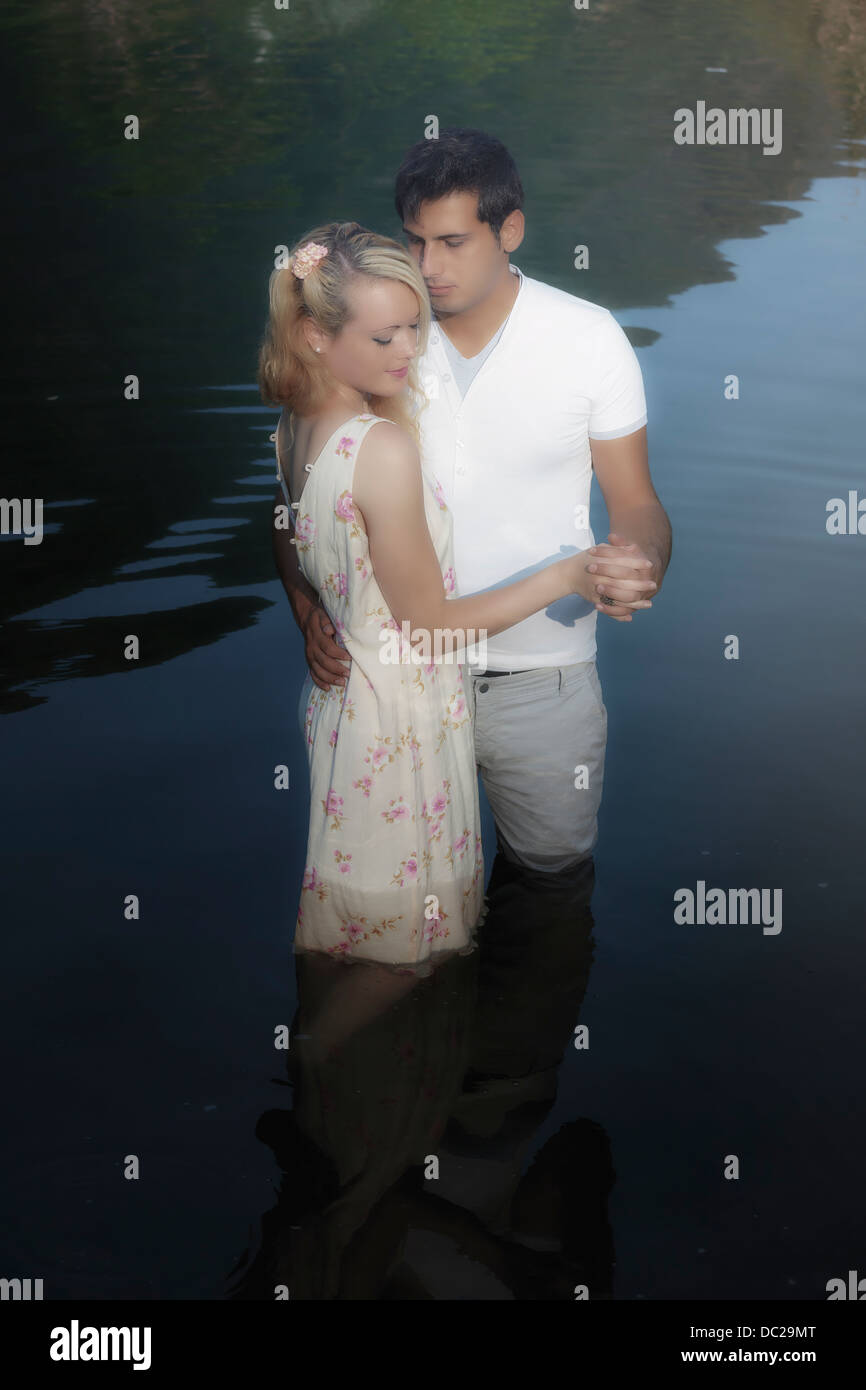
(394, 870)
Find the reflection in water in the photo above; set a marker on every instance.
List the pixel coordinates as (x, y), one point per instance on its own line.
(371, 1098)
(56, 649)
(391, 1072)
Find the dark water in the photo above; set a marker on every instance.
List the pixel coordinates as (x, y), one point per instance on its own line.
(154, 1037)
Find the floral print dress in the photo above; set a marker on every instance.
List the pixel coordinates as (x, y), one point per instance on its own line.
(394, 871)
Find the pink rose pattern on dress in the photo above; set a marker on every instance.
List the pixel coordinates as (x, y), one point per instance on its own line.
(305, 532)
(437, 493)
(345, 512)
(337, 584)
(434, 816)
(456, 714)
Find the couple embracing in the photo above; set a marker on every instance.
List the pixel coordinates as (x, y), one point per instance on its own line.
(442, 416)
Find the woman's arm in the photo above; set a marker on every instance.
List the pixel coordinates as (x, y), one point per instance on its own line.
(388, 491)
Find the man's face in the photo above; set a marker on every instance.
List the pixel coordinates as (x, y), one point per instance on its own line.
(459, 257)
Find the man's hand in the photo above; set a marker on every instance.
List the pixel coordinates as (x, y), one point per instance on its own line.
(622, 561)
(328, 662)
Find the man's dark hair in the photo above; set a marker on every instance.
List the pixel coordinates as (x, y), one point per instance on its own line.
(460, 161)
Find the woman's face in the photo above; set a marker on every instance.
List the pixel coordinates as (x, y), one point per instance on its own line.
(373, 351)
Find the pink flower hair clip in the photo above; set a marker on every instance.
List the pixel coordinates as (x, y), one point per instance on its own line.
(308, 258)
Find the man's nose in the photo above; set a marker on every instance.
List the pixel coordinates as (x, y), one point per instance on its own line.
(429, 262)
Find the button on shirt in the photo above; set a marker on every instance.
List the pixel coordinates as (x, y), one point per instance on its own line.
(507, 435)
(465, 369)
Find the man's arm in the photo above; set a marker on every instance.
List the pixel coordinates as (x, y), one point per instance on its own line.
(327, 660)
(636, 515)
(301, 595)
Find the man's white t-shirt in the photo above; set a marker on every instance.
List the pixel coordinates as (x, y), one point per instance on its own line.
(513, 459)
(465, 369)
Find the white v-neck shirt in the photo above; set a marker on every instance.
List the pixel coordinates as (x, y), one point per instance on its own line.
(465, 369)
(513, 459)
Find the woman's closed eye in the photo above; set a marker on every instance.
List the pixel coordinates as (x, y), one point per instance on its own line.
(383, 342)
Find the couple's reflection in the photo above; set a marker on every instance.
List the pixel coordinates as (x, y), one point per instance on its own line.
(397, 1078)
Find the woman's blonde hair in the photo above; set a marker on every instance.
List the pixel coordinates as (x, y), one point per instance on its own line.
(290, 372)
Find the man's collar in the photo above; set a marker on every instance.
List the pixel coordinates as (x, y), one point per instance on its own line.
(436, 329)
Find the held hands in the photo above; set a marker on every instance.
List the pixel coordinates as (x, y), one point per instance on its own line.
(622, 572)
(328, 662)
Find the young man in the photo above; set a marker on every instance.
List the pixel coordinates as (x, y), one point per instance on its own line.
(529, 389)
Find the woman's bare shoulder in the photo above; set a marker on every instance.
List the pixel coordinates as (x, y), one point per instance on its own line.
(386, 448)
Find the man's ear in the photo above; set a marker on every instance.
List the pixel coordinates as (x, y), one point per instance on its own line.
(512, 231)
